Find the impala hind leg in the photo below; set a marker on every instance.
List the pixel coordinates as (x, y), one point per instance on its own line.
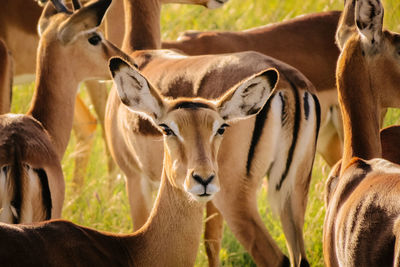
(98, 96)
(84, 127)
(239, 209)
(6, 75)
(292, 220)
(213, 234)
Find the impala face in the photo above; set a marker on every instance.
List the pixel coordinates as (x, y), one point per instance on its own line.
(192, 136)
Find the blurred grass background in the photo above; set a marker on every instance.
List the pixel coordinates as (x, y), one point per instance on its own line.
(102, 202)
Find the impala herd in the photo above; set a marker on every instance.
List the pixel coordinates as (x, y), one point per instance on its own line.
(202, 120)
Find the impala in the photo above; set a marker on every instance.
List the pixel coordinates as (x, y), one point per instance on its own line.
(361, 226)
(32, 145)
(249, 151)
(193, 130)
(306, 43)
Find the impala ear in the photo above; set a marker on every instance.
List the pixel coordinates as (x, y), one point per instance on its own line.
(369, 21)
(84, 19)
(48, 11)
(135, 91)
(247, 97)
(346, 26)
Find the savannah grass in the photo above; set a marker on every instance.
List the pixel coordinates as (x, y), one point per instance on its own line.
(102, 201)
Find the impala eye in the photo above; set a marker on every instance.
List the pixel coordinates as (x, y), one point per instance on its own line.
(221, 129)
(166, 130)
(95, 39)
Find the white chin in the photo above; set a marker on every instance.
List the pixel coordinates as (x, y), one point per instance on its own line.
(203, 199)
(212, 4)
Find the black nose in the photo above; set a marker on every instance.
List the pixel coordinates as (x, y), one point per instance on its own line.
(202, 181)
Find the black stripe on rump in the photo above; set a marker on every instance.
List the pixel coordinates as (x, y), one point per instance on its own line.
(46, 195)
(258, 128)
(283, 112)
(306, 105)
(318, 113)
(16, 179)
(285, 262)
(296, 127)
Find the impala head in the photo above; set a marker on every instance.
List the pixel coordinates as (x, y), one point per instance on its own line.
(193, 128)
(378, 50)
(70, 41)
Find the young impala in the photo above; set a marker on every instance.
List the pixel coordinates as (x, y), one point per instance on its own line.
(306, 43)
(279, 141)
(193, 130)
(361, 226)
(32, 145)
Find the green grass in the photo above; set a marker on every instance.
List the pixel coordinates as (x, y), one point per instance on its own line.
(102, 202)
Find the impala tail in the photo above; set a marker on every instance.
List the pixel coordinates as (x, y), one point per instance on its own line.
(24, 191)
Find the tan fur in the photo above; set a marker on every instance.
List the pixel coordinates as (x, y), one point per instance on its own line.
(138, 150)
(42, 135)
(297, 42)
(362, 195)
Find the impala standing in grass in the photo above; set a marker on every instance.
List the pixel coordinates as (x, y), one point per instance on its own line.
(361, 226)
(193, 130)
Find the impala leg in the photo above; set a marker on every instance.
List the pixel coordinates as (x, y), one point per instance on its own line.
(330, 138)
(239, 209)
(213, 234)
(84, 127)
(140, 201)
(98, 95)
(6, 75)
(292, 220)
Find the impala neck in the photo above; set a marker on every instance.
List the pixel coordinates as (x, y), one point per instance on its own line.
(360, 105)
(142, 25)
(53, 101)
(171, 235)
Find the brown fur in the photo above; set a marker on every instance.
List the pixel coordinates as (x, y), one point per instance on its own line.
(6, 64)
(390, 141)
(139, 153)
(361, 222)
(297, 42)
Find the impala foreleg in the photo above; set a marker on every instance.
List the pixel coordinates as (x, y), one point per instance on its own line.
(330, 137)
(84, 127)
(98, 95)
(239, 209)
(140, 200)
(6, 75)
(213, 234)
